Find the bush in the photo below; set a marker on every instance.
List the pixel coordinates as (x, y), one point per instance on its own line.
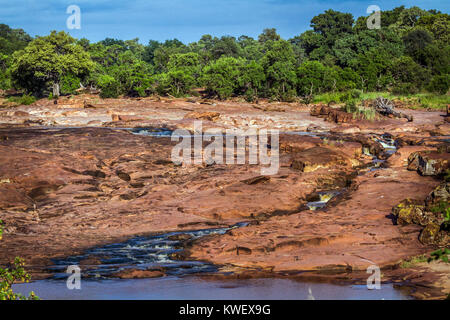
(25, 99)
(439, 84)
(360, 112)
(69, 84)
(405, 89)
(349, 95)
(351, 107)
(10, 276)
(109, 87)
(220, 77)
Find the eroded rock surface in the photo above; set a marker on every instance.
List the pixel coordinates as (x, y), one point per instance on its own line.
(63, 190)
(354, 233)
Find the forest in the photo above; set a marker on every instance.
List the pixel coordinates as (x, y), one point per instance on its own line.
(409, 54)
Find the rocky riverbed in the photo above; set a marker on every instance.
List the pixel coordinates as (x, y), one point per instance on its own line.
(88, 172)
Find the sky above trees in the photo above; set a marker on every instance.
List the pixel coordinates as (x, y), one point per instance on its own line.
(186, 20)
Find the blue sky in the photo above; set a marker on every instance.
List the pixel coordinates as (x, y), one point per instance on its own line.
(186, 20)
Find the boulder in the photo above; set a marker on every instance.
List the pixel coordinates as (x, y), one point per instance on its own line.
(338, 116)
(209, 116)
(429, 163)
(138, 274)
(415, 212)
(439, 195)
(316, 158)
(290, 143)
(430, 214)
(430, 234)
(331, 114)
(21, 114)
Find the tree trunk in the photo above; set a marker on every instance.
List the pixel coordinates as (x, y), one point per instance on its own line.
(55, 89)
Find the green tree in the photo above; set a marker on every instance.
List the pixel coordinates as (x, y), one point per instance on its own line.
(350, 46)
(269, 35)
(219, 77)
(182, 76)
(408, 19)
(149, 51)
(109, 86)
(438, 25)
(279, 67)
(12, 40)
(251, 79)
(164, 51)
(439, 84)
(332, 25)
(311, 42)
(47, 59)
(226, 46)
(404, 71)
(133, 75)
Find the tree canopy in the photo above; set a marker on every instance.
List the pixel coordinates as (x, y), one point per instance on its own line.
(410, 53)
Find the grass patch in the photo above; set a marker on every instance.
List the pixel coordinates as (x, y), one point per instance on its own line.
(411, 101)
(413, 261)
(359, 112)
(337, 97)
(23, 100)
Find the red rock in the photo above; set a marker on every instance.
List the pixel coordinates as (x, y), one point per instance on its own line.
(138, 274)
(294, 143)
(429, 163)
(210, 116)
(351, 235)
(21, 114)
(130, 118)
(316, 158)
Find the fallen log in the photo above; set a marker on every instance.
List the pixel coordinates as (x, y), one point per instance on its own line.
(385, 107)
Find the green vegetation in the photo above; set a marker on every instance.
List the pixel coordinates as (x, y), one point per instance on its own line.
(47, 60)
(26, 99)
(441, 254)
(412, 101)
(447, 175)
(339, 60)
(413, 261)
(9, 276)
(443, 208)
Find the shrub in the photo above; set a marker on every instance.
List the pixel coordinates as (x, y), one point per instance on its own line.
(69, 84)
(439, 84)
(109, 87)
(357, 111)
(10, 276)
(351, 107)
(441, 254)
(405, 89)
(25, 99)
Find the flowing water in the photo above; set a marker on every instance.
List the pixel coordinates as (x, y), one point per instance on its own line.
(143, 252)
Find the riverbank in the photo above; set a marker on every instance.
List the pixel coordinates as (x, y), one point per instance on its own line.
(66, 188)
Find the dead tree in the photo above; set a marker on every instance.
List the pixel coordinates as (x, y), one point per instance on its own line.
(385, 107)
